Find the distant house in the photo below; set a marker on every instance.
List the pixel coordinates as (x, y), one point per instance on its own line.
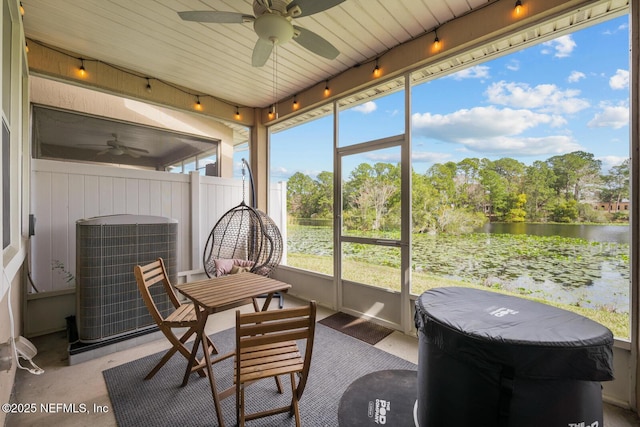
(613, 206)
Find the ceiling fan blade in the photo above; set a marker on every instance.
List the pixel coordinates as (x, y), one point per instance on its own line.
(216, 17)
(128, 151)
(103, 152)
(139, 150)
(261, 52)
(309, 7)
(316, 44)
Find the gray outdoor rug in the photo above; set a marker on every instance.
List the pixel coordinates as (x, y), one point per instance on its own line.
(337, 361)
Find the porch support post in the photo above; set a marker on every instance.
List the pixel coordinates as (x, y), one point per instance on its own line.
(259, 161)
(634, 126)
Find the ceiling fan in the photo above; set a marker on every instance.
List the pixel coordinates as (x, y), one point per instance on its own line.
(115, 148)
(273, 25)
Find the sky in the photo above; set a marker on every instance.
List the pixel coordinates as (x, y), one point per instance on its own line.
(556, 97)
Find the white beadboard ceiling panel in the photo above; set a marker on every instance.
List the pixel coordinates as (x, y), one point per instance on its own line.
(148, 36)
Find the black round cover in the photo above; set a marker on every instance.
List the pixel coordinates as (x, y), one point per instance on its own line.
(535, 340)
(379, 398)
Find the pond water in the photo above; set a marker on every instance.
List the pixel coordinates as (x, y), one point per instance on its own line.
(586, 265)
(607, 281)
(590, 232)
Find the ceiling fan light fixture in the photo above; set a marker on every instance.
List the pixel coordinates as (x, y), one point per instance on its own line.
(274, 28)
(273, 24)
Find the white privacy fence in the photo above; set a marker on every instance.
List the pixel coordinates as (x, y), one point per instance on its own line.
(66, 192)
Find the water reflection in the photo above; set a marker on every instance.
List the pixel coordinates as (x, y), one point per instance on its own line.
(592, 233)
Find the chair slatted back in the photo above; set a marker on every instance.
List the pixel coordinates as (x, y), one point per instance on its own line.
(147, 276)
(261, 332)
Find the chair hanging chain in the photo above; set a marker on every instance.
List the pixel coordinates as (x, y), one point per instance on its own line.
(243, 164)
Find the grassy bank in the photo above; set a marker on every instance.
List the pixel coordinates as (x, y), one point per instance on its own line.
(422, 281)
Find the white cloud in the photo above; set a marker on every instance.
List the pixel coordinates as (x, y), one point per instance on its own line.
(429, 157)
(513, 65)
(544, 97)
(621, 27)
(386, 157)
(547, 145)
(562, 46)
(476, 72)
(576, 76)
(478, 122)
(620, 80)
(490, 130)
(366, 108)
(610, 161)
(281, 172)
(416, 157)
(611, 116)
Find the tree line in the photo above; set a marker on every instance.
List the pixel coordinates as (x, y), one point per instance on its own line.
(459, 197)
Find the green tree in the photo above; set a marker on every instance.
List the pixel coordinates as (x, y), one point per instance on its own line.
(517, 213)
(495, 189)
(470, 191)
(323, 195)
(538, 184)
(442, 179)
(300, 188)
(565, 211)
(616, 184)
(424, 203)
(575, 173)
(371, 192)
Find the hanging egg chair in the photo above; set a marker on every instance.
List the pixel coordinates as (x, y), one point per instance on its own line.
(243, 239)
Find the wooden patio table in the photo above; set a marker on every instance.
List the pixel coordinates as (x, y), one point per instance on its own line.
(219, 294)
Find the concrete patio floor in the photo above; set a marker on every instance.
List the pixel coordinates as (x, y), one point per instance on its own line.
(83, 383)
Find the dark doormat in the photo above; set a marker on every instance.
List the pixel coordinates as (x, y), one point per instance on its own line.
(362, 329)
(380, 398)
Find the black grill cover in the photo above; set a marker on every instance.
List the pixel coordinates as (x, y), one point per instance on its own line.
(492, 359)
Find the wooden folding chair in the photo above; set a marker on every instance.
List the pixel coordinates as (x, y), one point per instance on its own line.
(266, 347)
(184, 315)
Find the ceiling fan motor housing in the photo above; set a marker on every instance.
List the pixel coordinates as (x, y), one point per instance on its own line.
(273, 27)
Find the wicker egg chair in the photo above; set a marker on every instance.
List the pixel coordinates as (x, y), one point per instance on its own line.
(243, 239)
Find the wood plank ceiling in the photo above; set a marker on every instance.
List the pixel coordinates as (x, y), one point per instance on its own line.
(149, 37)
